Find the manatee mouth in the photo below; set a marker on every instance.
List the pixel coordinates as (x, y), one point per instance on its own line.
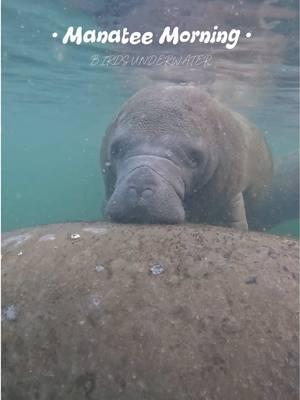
(149, 189)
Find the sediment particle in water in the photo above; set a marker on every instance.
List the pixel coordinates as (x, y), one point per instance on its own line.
(99, 268)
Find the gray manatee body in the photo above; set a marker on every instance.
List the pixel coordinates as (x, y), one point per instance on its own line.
(85, 319)
(176, 154)
(282, 200)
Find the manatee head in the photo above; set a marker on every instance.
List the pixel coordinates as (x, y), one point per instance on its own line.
(152, 160)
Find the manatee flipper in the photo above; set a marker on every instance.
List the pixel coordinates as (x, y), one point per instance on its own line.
(236, 213)
(282, 201)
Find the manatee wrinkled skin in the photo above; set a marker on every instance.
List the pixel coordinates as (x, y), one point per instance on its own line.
(175, 154)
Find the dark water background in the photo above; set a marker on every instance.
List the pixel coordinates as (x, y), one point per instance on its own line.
(56, 105)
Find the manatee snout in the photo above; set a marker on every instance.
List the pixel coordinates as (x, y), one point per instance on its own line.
(147, 191)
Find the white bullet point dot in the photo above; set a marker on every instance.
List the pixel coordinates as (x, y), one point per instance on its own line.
(248, 35)
(54, 34)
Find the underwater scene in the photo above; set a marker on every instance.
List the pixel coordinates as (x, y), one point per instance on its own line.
(59, 96)
(150, 200)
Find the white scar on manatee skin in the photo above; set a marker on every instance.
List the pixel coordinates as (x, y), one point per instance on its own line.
(46, 238)
(16, 240)
(96, 231)
(9, 313)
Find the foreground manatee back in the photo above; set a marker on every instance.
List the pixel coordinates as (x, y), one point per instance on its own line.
(86, 317)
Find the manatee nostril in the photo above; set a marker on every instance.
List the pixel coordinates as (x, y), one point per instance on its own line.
(136, 192)
(132, 193)
(146, 193)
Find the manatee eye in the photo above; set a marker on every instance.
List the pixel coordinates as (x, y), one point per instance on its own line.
(194, 158)
(117, 148)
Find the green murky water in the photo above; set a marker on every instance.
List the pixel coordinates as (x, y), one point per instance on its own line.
(56, 107)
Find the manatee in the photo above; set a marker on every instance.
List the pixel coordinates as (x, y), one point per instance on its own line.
(175, 154)
(282, 201)
(86, 318)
